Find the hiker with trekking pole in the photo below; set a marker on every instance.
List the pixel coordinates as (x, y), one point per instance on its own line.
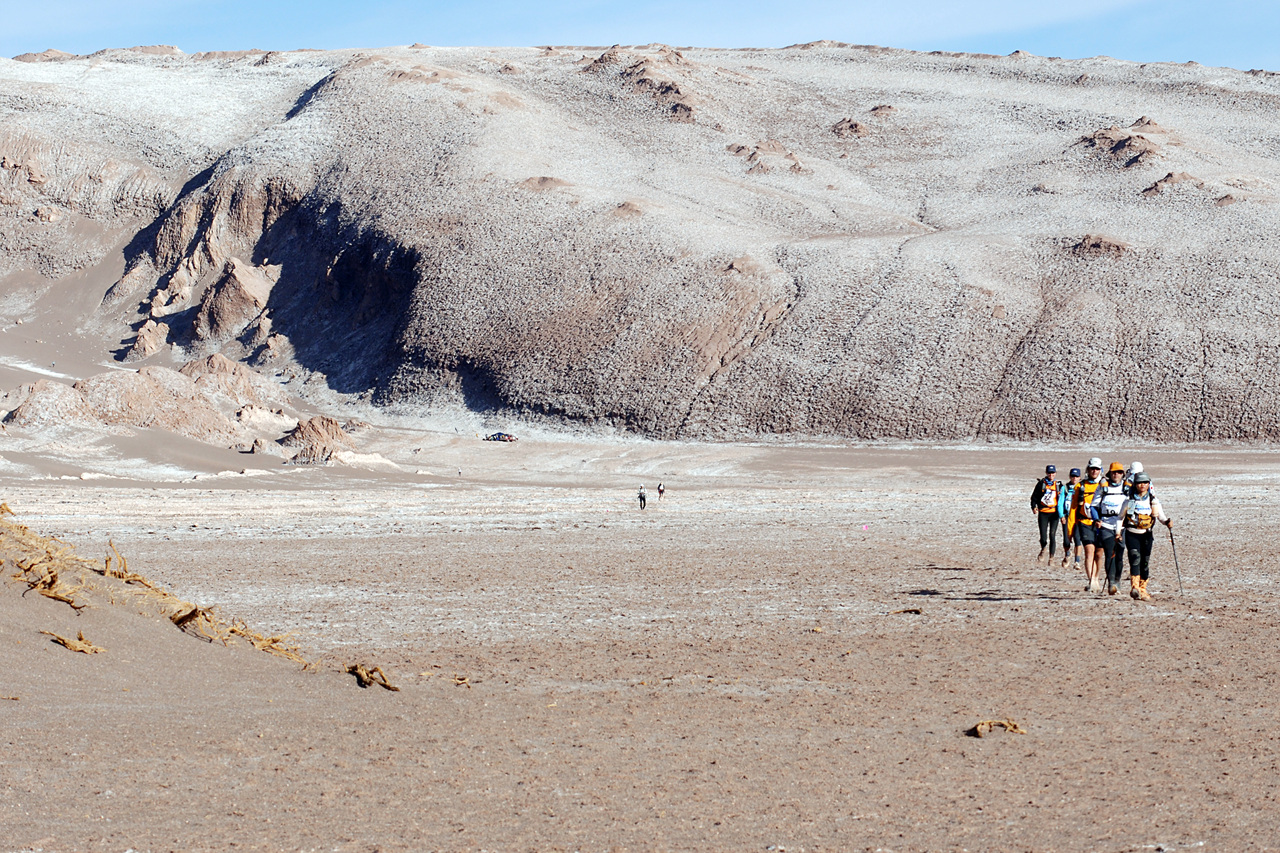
(1141, 512)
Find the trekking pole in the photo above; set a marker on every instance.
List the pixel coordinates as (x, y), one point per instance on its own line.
(1175, 561)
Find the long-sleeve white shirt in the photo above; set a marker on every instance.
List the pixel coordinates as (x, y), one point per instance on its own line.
(1157, 511)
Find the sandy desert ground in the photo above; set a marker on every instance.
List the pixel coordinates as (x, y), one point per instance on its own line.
(740, 666)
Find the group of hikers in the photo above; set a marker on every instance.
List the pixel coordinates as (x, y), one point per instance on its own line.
(1104, 517)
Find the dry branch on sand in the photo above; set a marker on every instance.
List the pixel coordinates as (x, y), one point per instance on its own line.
(78, 645)
(122, 572)
(369, 677)
(985, 728)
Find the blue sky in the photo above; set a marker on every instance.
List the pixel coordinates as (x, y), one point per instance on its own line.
(1229, 32)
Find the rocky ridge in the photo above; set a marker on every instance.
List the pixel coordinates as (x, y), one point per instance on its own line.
(819, 240)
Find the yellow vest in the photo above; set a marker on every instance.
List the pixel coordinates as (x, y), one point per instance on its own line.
(1083, 497)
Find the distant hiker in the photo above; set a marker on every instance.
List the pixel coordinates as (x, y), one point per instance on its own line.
(1044, 503)
(1082, 522)
(1107, 510)
(662, 490)
(642, 496)
(1065, 495)
(1134, 470)
(1141, 512)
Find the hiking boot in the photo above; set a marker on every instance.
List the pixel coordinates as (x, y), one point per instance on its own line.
(1135, 587)
(1112, 589)
(1142, 590)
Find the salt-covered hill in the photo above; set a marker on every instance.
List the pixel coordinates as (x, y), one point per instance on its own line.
(819, 240)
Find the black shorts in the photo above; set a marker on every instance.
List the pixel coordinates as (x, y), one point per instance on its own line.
(1087, 533)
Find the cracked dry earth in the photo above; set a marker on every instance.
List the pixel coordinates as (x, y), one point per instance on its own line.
(741, 666)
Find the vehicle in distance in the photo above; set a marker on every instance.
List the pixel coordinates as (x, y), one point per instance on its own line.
(500, 436)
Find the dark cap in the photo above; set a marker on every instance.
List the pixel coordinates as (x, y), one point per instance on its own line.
(1051, 469)
(1075, 472)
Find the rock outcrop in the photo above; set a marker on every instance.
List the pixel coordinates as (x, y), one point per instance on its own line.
(196, 401)
(152, 336)
(240, 385)
(316, 441)
(151, 398)
(237, 297)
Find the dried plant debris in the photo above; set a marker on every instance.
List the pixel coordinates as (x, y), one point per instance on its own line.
(78, 645)
(986, 727)
(44, 562)
(368, 677)
(122, 572)
(277, 645)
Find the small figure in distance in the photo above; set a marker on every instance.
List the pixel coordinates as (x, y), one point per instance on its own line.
(1044, 503)
(662, 490)
(1067, 492)
(642, 495)
(1141, 512)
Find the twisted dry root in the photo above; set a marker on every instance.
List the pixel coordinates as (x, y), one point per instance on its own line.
(368, 677)
(80, 645)
(985, 728)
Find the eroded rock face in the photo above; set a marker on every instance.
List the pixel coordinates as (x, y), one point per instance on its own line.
(157, 398)
(316, 441)
(237, 297)
(218, 376)
(47, 404)
(193, 402)
(152, 336)
(151, 398)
